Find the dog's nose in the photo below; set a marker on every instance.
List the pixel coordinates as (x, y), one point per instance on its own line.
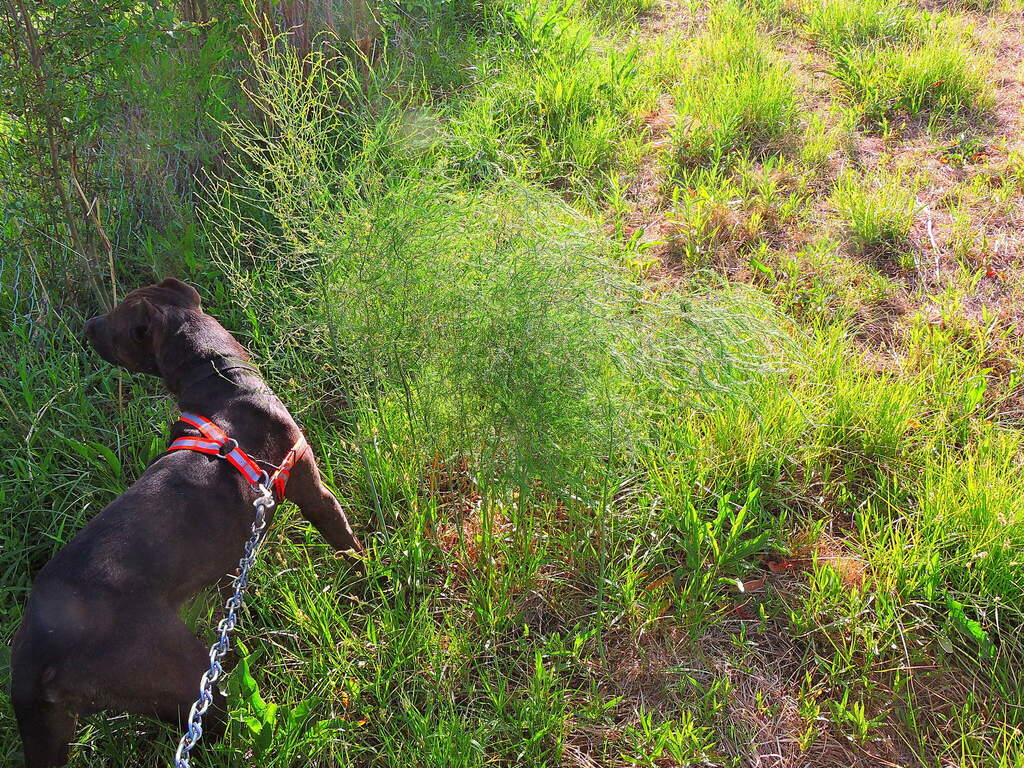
(93, 327)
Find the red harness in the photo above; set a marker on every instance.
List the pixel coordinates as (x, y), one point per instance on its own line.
(216, 442)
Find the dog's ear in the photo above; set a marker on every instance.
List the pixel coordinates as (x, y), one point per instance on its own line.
(188, 295)
(147, 324)
(140, 328)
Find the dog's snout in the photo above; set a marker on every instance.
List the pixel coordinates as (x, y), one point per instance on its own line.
(94, 327)
(95, 336)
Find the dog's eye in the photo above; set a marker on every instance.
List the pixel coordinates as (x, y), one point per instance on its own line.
(139, 333)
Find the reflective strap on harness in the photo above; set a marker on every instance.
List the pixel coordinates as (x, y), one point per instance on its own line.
(195, 444)
(280, 477)
(204, 425)
(215, 442)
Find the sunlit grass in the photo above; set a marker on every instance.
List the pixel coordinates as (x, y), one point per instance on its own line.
(737, 97)
(844, 24)
(941, 77)
(877, 209)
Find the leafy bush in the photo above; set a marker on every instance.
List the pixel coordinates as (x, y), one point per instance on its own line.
(496, 323)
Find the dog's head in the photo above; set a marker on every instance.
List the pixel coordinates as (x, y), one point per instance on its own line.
(131, 333)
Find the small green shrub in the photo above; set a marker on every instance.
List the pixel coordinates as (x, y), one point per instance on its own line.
(495, 322)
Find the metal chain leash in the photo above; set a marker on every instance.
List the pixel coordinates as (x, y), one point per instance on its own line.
(220, 648)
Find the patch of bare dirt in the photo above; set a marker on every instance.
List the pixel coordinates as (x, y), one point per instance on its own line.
(767, 686)
(958, 169)
(460, 523)
(834, 552)
(761, 673)
(646, 190)
(673, 17)
(879, 325)
(1002, 35)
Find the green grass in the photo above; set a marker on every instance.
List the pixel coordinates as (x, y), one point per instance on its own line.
(940, 77)
(719, 216)
(841, 24)
(737, 98)
(620, 12)
(560, 112)
(763, 498)
(877, 209)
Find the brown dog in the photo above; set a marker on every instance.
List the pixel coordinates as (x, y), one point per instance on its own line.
(101, 629)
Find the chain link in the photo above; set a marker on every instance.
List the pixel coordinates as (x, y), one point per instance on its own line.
(220, 648)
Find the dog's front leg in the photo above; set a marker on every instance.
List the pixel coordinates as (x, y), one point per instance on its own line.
(318, 505)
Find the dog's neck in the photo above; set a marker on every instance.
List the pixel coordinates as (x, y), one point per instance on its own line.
(197, 341)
